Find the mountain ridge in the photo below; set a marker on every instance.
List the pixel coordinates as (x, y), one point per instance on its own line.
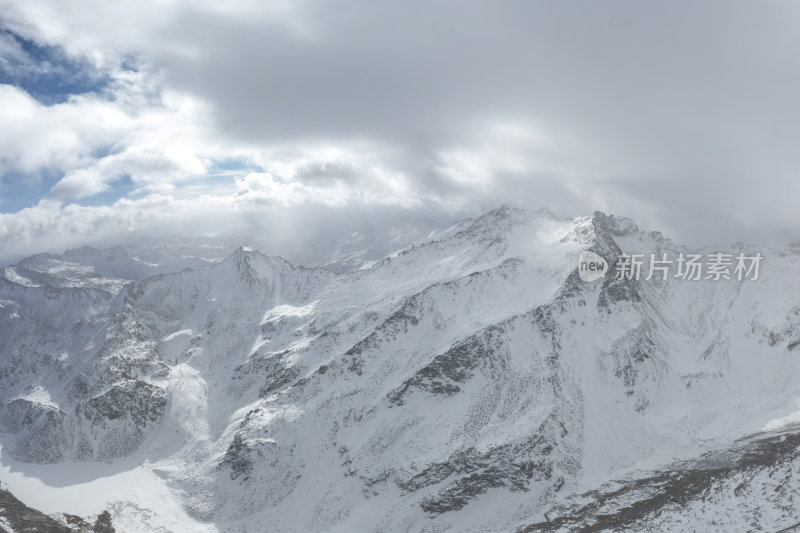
(469, 381)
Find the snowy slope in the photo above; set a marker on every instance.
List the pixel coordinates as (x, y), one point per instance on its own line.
(467, 382)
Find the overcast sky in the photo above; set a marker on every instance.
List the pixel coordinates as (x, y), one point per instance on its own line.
(135, 116)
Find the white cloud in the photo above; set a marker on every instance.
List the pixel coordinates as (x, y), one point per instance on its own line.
(35, 137)
(241, 105)
(93, 140)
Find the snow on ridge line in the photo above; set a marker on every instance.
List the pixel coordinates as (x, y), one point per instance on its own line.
(177, 334)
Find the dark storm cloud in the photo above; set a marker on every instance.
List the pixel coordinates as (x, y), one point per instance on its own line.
(327, 173)
(697, 99)
(418, 72)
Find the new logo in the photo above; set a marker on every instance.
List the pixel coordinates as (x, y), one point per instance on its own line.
(591, 266)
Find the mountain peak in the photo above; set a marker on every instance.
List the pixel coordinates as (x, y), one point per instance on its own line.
(253, 266)
(82, 251)
(616, 226)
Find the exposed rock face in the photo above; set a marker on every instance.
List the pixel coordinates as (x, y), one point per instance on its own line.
(750, 486)
(470, 473)
(16, 517)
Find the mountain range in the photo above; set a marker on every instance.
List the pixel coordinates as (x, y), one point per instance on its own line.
(468, 381)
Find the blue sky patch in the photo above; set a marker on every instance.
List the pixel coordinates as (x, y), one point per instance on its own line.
(119, 188)
(45, 72)
(20, 190)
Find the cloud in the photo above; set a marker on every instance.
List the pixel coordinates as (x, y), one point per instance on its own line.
(35, 137)
(682, 116)
(94, 140)
(285, 218)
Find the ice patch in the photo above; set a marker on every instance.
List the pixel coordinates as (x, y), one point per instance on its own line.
(177, 334)
(4, 524)
(41, 396)
(788, 420)
(280, 311)
(11, 275)
(138, 499)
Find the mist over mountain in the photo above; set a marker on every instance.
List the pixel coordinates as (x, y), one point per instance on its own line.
(460, 378)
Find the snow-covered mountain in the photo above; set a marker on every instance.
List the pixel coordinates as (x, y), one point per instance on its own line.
(467, 382)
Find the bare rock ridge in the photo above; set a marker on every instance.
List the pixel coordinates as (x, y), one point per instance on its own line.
(17, 517)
